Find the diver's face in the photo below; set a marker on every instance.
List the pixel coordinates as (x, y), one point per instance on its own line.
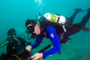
(36, 29)
(13, 36)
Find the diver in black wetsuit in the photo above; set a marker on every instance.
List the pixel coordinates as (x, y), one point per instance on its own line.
(16, 48)
(74, 28)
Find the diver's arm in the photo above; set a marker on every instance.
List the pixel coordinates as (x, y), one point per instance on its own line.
(51, 32)
(37, 42)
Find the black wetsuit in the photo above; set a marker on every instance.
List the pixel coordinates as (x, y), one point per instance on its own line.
(74, 28)
(17, 47)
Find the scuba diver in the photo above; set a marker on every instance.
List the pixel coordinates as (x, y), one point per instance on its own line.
(44, 30)
(16, 47)
(55, 27)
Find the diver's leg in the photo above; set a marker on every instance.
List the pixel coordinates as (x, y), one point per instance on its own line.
(77, 27)
(75, 13)
(86, 18)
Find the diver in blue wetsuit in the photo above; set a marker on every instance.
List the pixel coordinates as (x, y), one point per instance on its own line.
(55, 32)
(46, 29)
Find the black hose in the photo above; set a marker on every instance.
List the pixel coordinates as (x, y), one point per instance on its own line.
(45, 48)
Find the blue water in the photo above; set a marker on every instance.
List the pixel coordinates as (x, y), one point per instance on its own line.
(13, 14)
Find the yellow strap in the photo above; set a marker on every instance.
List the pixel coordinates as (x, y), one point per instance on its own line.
(50, 55)
(16, 56)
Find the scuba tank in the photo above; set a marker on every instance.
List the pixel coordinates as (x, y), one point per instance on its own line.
(55, 18)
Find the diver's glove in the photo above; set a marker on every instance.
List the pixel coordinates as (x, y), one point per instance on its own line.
(37, 56)
(28, 48)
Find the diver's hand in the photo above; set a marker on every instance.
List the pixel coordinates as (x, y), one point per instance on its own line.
(28, 48)
(37, 56)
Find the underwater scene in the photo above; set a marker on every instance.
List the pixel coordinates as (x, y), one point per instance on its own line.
(15, 13)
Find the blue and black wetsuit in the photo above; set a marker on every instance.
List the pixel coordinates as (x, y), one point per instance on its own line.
(52, 34)
(53, 31)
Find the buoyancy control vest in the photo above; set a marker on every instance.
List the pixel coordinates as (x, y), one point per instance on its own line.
(59, 19)
(44, 23)
(55, 20)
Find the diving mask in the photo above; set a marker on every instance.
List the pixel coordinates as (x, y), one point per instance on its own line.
(12, 35)
(30, 29)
